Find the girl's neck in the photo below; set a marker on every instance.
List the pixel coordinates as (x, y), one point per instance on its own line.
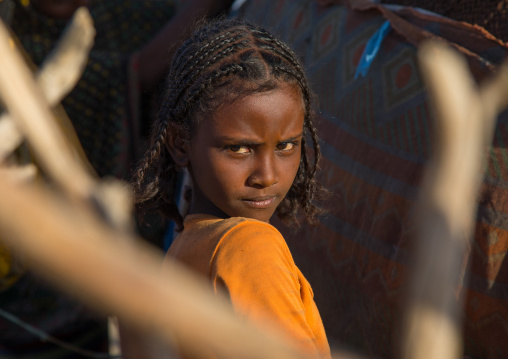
(202, 205)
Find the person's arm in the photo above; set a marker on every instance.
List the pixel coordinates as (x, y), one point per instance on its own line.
(255, 268)
(155, 57)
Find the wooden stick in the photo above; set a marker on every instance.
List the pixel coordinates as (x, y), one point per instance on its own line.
(57, 76)
(25, 173)
(113, 272)
(10, 137)
(25, 103)
(447, 205)
(64, 66)
(494, 99)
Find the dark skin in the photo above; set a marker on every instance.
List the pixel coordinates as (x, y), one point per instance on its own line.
(243, 158)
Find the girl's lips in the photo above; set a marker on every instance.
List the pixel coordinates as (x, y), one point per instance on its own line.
(263, 202)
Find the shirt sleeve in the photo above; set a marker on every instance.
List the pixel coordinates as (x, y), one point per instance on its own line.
(253, 265)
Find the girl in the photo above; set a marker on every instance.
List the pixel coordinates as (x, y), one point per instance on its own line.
(237, 114)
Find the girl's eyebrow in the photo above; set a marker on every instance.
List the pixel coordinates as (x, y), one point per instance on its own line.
(237, 140)
(245, 141)
(294, 138)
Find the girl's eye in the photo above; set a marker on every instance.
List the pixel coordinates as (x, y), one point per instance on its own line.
(239, 149)
(285, 146)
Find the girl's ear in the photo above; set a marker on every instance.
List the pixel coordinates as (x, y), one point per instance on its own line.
(178, 147)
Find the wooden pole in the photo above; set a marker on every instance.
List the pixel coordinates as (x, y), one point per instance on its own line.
(57, 76)
(465, 118)
(27, 106)
(10, 137)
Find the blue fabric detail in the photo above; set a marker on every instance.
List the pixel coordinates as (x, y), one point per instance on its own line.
(371, 49)
(169, 235)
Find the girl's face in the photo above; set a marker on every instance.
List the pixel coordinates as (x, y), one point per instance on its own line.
(244, 157)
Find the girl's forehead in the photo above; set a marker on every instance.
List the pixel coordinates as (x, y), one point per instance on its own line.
(278, 111)
(244, 92)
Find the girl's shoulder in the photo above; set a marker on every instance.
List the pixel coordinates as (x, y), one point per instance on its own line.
(250, 238)
(251, 249)
(249, 224)
(229, 226)
(230, 235)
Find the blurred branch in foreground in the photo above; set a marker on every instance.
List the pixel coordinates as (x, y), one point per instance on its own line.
(465, 120)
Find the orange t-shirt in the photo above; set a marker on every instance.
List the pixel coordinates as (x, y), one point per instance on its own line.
(251, 262)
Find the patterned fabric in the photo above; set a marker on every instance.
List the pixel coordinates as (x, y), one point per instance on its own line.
(490, 14)
(103, 107)
(35, 303)
(376, 137)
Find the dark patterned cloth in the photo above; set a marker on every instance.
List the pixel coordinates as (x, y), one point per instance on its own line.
(376, 138)
(104, 105)
(35, 303)
(490, 14)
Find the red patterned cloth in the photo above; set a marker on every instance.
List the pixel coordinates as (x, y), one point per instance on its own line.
(376, 133)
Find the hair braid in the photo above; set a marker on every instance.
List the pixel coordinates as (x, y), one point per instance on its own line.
(183, 73)
(214, 59)
(296, 72)
(153, 153)
(280, 47)
(197, 90)
(180, 59)
(275, 45)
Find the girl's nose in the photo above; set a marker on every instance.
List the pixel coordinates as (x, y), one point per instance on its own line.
(265, 173)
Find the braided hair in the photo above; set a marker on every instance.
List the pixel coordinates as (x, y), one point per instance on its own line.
(221, 62)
